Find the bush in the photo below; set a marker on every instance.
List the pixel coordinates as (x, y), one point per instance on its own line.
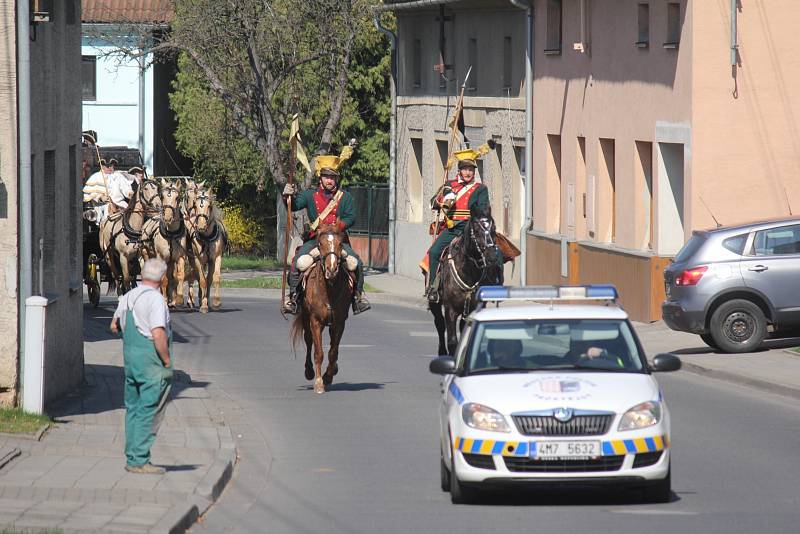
(245, 234)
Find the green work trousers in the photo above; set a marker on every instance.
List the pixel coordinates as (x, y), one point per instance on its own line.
(306, 247)
(147, 387)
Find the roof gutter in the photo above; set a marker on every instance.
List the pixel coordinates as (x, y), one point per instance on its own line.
(416, 4)
(528, 218)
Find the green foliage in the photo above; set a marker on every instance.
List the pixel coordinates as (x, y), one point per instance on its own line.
(236, 262)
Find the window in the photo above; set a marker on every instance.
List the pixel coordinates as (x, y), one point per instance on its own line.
(644, 183)
(777, 241)
(736, 243)
(89, 77)
(643, 39)
(553, 44)
(441, 147)
(414, 169)
(553, 184)
(417, 63)
(70, 9)
(472, 60)
(507, 70)
(49, 214)
(607, 197)
(673, 25)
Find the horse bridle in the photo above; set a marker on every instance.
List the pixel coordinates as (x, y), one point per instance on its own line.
(164, 207)
(331, 252)
(488, 243)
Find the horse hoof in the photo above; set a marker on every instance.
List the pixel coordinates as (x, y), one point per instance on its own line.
(309, 373)
(204, 309)
(327, 379)
(319, 387)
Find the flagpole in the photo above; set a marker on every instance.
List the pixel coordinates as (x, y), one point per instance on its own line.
(450, 147)
(292, 165)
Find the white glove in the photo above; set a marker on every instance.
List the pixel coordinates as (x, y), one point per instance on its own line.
(449, 197)
(290, 190)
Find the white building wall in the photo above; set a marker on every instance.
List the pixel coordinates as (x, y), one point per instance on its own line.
(115, 113)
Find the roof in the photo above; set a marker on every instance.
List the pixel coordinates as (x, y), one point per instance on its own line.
(126, 11)
(506, 312)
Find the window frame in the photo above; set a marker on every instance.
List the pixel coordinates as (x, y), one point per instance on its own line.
(673, 26)
(554, 32)
(643, 25)
(754, 253)
(85, 60)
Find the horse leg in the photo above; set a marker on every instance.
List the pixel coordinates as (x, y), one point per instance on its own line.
(180, 277)
(336, 330)
(217, 301)
(452, 334)
(438, 320)
(319, 355)
(202, 293)
(309, 345)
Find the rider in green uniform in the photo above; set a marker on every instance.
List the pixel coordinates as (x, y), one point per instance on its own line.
(328, 204)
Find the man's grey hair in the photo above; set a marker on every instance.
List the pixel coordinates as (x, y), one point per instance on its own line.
(154, 269)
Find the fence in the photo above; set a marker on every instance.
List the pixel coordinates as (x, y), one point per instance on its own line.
(369, 236)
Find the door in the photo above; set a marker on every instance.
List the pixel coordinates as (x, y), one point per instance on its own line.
(773, 268)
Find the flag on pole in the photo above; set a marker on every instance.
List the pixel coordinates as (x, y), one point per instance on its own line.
(300, 152)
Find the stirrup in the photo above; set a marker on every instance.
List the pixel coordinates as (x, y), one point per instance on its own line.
(360, 305)
(433, 295)
(289, 306)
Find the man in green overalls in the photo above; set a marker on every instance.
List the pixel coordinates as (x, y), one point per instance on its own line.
(143, 318)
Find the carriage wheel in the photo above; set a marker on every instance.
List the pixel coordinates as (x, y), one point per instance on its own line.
(93, 287)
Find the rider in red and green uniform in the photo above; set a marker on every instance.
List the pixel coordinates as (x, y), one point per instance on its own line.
(456, 199)
(343, 215)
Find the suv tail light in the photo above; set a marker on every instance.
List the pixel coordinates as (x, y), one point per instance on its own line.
(690, 277)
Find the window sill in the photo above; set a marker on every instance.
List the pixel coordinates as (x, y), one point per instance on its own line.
(552, 51)
(670, 46)
(642, 44)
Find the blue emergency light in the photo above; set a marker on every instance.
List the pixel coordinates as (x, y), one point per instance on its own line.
(547, 293)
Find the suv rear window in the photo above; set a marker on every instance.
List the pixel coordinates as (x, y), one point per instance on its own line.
(736, 243)
(690, 248)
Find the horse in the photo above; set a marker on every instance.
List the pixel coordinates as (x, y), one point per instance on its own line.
(208, 238)
(120, 235)
(165, 237)
(326, 302)
(470, 261)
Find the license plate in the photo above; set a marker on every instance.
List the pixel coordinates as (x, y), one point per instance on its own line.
(565, 449)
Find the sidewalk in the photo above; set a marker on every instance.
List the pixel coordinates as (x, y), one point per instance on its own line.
(74, 480)
(773, 369)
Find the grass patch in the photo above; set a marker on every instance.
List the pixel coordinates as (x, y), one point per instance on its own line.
(234, 262)
(272, 282)
(15, 421)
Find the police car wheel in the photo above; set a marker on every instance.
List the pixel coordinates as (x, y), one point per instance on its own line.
(661, 491)
(459, 494)
(444, 475)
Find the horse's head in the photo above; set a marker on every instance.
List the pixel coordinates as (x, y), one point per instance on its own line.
(192, 188)
(149, 195)
(483, 234)
(170, 200)
(329, 242)
(203, 209)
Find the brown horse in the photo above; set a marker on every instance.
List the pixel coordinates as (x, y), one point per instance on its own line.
(326, 302)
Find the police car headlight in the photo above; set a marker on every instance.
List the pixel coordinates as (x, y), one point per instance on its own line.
(641, 416)
(484, 418)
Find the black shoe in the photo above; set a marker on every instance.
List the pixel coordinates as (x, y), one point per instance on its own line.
(433, 295)
(290, 305)
(360, 304)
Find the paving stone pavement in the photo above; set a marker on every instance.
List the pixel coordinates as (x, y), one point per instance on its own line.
(74, 478)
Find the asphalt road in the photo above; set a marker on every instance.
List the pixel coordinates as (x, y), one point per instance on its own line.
(363, 458)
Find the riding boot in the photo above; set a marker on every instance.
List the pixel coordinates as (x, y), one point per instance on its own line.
(290, 305)
(433, 289)
(360, 303)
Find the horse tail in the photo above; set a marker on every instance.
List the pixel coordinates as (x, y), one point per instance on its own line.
(296, 332)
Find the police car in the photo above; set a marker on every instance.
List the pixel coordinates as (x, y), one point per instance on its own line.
(548, 388)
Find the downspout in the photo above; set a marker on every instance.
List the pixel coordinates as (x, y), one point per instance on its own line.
(392, 138)
(142, 110)
(25, 250)
(527, 5)
(734, 30)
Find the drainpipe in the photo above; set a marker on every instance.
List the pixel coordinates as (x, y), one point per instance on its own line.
(392, 138)
(141, 109)
(734, 30)
(24, 242)
(527, 5)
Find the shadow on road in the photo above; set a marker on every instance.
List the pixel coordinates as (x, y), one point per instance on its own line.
(577, 496)
(347, 386)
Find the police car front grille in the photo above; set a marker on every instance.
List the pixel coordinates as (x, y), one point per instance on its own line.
(580, 425)
(481, 461)
(530, 465)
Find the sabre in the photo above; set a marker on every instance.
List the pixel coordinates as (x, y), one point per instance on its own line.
(450, 147)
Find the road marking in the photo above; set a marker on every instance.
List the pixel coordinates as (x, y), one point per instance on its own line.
(423, 334)
(654, 512)
(406, 321)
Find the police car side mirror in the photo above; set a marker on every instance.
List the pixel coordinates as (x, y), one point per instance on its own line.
(443, 365)
(664, 363)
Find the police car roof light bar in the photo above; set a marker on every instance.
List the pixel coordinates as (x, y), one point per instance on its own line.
(547, 293)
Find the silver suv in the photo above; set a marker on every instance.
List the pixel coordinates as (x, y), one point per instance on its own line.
(732, 284)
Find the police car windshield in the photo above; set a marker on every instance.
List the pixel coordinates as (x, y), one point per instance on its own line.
(552, 344)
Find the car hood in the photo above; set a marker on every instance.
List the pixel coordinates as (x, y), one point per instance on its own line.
(524, 392)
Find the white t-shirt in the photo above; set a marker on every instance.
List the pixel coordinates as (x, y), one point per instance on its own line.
(149, 311)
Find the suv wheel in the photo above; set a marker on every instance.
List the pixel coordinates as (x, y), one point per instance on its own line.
(708, 339)
(738, 326)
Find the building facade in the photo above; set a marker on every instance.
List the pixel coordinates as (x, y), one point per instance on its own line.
(652, 119)
(436, 46)
(55, 208)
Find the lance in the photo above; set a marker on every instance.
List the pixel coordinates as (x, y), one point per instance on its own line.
(288, 230)
(450, 146)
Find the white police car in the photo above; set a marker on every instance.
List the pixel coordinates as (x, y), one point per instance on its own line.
(552, 392)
